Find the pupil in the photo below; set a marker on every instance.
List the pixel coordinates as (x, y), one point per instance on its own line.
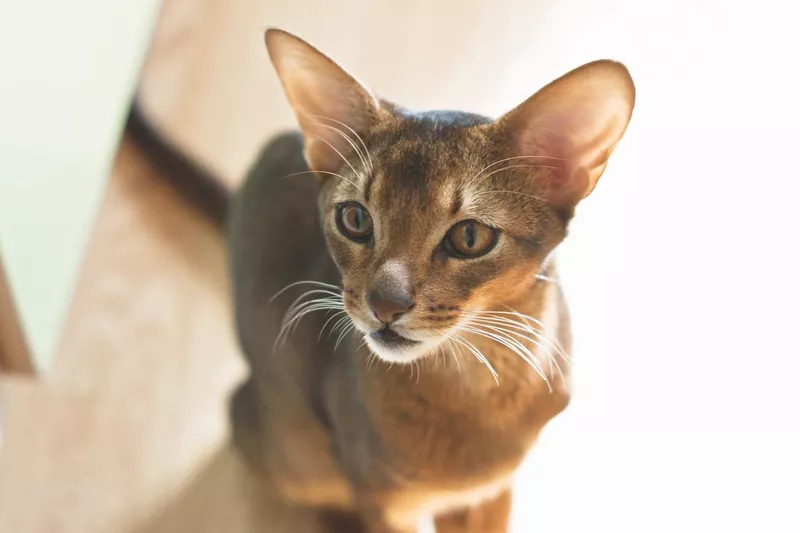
(359, 218)
(469, 236)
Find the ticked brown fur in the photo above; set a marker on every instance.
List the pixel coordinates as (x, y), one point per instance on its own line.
(378, 446)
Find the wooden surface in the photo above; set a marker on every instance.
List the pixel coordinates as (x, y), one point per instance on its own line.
(68, 69)
(128, 434)
(14, 351)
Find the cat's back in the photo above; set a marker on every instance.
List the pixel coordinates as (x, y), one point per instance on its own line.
(274, 239)
(272, 212)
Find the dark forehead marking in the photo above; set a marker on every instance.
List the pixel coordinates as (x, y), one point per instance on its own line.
(416, 145)
(458, 201)
(368, 186)
(446, 118)
(409, 166)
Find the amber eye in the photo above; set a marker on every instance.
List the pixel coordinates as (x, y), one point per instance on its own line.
(469, 239)
(354, 222)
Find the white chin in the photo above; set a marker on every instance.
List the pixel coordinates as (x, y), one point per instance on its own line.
(400, 355)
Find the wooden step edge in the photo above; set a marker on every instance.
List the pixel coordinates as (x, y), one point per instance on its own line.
(15, 355)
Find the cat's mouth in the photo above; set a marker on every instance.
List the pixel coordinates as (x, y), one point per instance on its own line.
(394, 347)
(395, 344)
(389, 338)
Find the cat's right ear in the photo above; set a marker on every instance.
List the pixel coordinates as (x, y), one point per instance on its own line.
(329, 103)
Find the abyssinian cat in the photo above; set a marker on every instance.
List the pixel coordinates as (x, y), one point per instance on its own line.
(395, 291)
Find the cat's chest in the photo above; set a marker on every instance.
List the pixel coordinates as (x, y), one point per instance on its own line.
(426, 443)
(460, 427)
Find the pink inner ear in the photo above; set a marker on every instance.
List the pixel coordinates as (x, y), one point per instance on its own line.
(579, 119)
(582, 137)
(554, 159)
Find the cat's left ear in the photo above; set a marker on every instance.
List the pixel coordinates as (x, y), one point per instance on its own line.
(329, 103)
(577, 121)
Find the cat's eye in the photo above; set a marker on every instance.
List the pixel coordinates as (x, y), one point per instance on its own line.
(469, 239)
(354, 222)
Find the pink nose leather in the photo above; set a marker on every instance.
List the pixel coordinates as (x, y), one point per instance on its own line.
(388, 307)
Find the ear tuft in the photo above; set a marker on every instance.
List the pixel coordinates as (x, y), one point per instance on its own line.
(329, 103)
(577, 120)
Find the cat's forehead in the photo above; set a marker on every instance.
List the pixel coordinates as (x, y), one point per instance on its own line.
(436, 130)
(425, 156)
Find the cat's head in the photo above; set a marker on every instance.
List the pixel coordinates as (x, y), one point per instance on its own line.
(433, 217)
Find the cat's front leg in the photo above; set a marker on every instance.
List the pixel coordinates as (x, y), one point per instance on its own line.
(491, 516)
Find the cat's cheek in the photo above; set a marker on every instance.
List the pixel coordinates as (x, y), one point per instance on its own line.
(472, 275)
(342, 252)
(353, 297)
(362, 326)
(504, 287)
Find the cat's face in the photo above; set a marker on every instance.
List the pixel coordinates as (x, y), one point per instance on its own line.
(435, 218)
(433, 231)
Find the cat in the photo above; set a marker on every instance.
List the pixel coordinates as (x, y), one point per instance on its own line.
(395, 290)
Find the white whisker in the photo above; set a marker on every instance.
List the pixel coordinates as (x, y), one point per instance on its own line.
(310, 306)
(515, 346)
(502, 330)
(492, 173)
(298, 301)
(477, 353)
(325, 172)
(290, 321)
(349, 140)
(457, 355)
(363, 144)
(355, 172)
(552, 342)
(454, 349)
(476, 176)
(301, 306)
(343, 335)
(371, 358)
(514, 324)
(341, 323)
(485, 193)
(332, 317)
(303, 282)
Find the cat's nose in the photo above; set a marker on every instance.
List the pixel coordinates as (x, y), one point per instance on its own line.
(388, 307)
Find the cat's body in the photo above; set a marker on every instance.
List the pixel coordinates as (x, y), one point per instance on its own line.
(405, 357)
(330, 427)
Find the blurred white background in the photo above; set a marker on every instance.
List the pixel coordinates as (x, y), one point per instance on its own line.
(682, 275)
